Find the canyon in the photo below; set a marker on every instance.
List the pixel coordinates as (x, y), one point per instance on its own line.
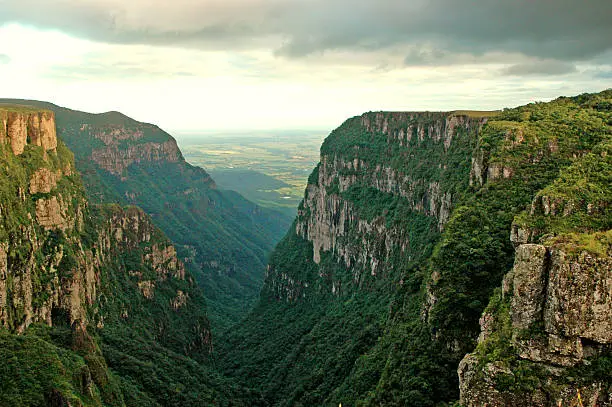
(437, 259)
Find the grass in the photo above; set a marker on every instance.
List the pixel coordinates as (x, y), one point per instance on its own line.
(599, 243)
(22, 108)
(476, 113)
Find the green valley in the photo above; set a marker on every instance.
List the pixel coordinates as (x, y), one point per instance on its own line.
(277, 203)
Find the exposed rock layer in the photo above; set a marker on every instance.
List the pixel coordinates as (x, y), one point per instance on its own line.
(561, 314)
(330, 221)
(22, 126)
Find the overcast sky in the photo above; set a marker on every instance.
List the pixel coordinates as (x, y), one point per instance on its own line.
(197, 65)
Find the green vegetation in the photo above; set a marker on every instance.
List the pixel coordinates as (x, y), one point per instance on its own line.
(382, 319)
(476, 113)
(35, 371)
(19, 108)
(419, 315)
(260, 188)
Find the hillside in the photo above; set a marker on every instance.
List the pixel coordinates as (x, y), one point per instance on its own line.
(96, 309)
(223, 237)
(403, 239)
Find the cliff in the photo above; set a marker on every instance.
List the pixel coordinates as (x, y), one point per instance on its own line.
(375, 295)
(84, 288)
(21, 126)
(551, 325)
(127, 145)
(548, 333)
(327, 213)
(39, 197)
(373, 209)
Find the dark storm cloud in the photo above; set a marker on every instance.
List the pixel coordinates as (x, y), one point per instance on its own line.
(563, 30)
(4, 59)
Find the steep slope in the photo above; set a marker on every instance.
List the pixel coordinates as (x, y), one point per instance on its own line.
(95, 306)
(547, 333)
(224, 237)
(374, 296)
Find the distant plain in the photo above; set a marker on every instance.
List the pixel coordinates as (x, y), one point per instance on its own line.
(269, 168)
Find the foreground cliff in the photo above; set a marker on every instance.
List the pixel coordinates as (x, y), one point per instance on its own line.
(547, 333)
(95, 306)
(375, 295)
(224, 238)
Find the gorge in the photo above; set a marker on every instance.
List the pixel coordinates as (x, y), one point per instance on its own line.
(437, 259)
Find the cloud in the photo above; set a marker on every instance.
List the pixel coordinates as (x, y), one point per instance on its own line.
(133, 63)
(540, 68)
(563, 30)
(105, 72)
(4, 59)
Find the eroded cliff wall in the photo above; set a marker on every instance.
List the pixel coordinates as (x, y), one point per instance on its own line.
(224, 237)
(21, 126)
(417, 160)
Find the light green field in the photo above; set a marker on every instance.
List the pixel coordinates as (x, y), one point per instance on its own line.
(235, 159)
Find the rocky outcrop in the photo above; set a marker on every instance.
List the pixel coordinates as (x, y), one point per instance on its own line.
(52, 213)
(21, 126)
(529, 282)
(179, 301)
(44, 181)
(147, 288)
(579, 297)
(165, 262)
(132, 227)
(402, 127)
(74, 290)
(333, 225)
(560, 312)
(127, 145)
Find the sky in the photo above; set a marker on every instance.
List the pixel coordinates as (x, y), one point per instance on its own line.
(227, 65)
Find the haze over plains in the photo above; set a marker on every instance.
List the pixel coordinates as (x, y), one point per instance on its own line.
(271, 64)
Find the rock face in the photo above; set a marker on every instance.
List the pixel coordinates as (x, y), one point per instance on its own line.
(21, 126)
(579, 297)
(123, 147)
(406, 220)
(121, 160)
(529, 282)
(53, 213)
(560, 308)
(44, 181)
(550, 331)
(328, 217)
(54, 254)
